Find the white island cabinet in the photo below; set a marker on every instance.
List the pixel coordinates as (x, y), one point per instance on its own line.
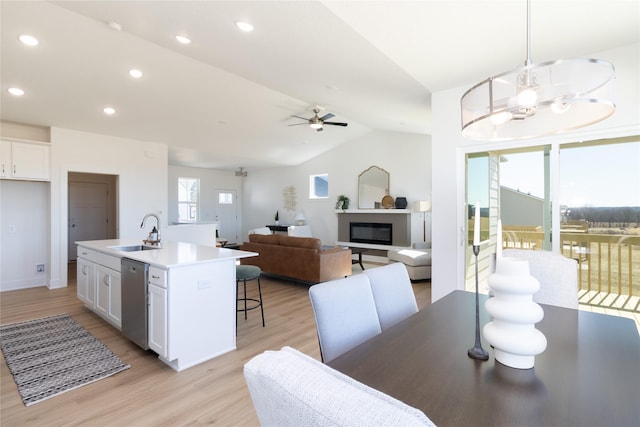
(191, 296)
(157, 299)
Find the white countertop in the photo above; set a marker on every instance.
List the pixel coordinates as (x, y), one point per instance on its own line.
(170, 254)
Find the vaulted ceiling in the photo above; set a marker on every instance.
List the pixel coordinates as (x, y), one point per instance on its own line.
(225, 100)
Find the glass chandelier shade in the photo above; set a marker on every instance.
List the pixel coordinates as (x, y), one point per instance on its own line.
(539, 99)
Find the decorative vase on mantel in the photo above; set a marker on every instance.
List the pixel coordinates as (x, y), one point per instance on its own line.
(401, 203)
(512, 331)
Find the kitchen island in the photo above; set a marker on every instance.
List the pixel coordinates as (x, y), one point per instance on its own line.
(191, 294)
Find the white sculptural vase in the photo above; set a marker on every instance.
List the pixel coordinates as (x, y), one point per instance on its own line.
(512, 331)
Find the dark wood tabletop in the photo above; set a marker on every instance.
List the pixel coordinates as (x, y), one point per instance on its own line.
(589, 375)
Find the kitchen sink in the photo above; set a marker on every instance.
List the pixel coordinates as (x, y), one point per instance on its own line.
(135, 248)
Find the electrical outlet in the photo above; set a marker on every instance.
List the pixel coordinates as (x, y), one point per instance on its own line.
(40, 268)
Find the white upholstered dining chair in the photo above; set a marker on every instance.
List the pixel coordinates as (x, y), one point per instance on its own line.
(557, 274)
(289, 388)
(392, 293)
(345, 314)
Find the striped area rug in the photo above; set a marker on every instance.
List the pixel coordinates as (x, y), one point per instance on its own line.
(53, 355)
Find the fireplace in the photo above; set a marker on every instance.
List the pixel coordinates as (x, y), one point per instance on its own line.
(370, 232)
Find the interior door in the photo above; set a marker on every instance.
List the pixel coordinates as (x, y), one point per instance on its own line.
(88, 213)
(226, 214)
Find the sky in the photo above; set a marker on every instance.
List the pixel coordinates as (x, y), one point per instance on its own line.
(606, 175)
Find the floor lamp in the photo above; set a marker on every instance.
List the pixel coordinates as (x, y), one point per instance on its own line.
(423, 206)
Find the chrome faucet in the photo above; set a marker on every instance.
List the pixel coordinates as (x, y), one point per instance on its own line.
(155, 241)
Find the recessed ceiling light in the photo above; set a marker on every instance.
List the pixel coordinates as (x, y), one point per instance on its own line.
(244, 26)
(28, 40)
(183, 39)
(16, 91)
(136, 74)
(109, 110)
(114, 25)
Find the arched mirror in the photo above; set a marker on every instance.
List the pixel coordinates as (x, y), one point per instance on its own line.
(373, 185)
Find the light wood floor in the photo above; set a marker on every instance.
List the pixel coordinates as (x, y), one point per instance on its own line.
(150, 393)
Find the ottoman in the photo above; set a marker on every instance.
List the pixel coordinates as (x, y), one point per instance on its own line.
(417, 261)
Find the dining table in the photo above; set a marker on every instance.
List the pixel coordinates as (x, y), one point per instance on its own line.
(589, 374)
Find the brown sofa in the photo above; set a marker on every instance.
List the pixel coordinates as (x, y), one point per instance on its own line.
(299, 258)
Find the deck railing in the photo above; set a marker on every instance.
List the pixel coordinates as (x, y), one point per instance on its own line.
(608, 265)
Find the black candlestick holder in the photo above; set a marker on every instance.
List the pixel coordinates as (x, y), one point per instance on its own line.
(477, 352)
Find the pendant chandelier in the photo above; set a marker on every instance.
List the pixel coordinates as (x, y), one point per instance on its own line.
(539, 99)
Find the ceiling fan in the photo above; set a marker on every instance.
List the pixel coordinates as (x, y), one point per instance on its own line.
(317, 122)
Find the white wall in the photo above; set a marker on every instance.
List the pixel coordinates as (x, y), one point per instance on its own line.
(24, 233)
(449, 148)
(142, 184)
(24, 207)
(405, 156)
(210, 180)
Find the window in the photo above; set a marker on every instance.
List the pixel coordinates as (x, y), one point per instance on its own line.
(188, 196)
(319, 186)
(225, 198)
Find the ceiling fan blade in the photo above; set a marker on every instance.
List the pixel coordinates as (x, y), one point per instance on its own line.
(327, 116)
(335, 123)
(303, 118)
(298, 124)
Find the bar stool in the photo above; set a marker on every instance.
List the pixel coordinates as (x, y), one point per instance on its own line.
(244, 273)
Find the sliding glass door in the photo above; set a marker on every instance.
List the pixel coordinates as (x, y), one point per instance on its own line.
(578, 199)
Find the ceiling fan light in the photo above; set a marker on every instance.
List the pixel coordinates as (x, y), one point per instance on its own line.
(315, 125)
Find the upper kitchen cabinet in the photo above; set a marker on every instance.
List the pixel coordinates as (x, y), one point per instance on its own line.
(24, 160)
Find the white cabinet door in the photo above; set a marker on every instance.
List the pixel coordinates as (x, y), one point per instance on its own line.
(115, 299)
(24, 160)
(86, 281)
(5, 159)
(158, 320)
(103, 284)
(30, 161)
(108, 295)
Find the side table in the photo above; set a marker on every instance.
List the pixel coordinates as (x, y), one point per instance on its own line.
(358, 251)
(274, 228)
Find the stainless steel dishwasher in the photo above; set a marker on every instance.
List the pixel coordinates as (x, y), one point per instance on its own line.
(134, 301)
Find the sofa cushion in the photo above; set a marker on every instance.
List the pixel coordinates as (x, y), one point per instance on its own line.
(284, 240)
(267, 239)
(300, 242)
